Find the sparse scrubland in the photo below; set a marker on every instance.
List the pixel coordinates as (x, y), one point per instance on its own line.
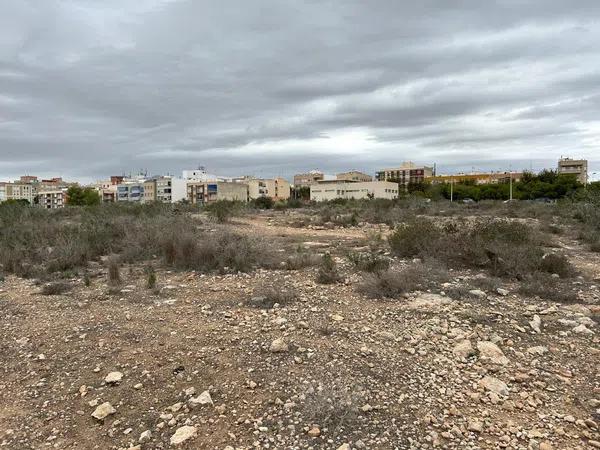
(346, 325)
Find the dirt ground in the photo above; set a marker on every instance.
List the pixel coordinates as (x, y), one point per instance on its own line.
(197, 359)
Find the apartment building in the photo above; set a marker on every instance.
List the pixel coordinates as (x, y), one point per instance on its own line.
(578, 167)
(3, 191)
(199, 192)
(353, 175)
(52, 199)
(21, 191)
(149, 194)
(477, 178)
(130, 191)
(308, 178)
(275, 188)
(331, 190)
(163, 189)
(407, 173)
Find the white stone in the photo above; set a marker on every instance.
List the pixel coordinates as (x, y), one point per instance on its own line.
(182, 434)
(490, 351)
(278, 346)
(103, 411)
(536, 324)
(113, 377)
(495, 385)
(203, 399)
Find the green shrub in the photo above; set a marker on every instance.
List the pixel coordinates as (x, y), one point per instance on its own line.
(558, 264)
(223, 210)
(548, 288)
(301, 259)
(263, 203)
(150, 277)
(114, 271)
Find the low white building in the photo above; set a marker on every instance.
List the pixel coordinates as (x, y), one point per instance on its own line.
(331, 190)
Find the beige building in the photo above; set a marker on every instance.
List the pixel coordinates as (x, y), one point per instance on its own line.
(275, 188)
(200, 192)
(331, 190)
(353, 175)
(21, 191)
(306, 179)
(578, 167)
(149, 191)
(477, 178)
(52, 199)
(407, 173)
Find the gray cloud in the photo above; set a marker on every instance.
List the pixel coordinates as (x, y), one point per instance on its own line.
(93, 88)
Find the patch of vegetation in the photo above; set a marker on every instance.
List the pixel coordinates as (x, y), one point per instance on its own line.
(328, 272)
(547, 287)
(263, 203)
(333, 406)
(223, 210)
(392, 283)
(301, 259)
(114, 270)
(150, 277)
(369, 261)
(55, 288)
(266, 296)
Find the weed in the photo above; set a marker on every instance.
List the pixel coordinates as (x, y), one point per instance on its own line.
(547, 287)
(328, 273)
(55, 288)
(369, 262)
(265, 297)
(114, 271)
(150, 277)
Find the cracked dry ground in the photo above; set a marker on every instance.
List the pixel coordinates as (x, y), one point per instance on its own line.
(345, 371)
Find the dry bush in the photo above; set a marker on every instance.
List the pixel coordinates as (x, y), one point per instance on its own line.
(335, 406)
(328, 272)
(266, 296)
(547, 287)
(558, 264)
(394, 282)
(114, 271)
(301, 259)
(369, 262)
(55, 288)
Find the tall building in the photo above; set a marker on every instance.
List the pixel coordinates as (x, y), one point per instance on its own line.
(308, 178)
(353, 175)
(578, 167)
(407, 173)
(52, 199)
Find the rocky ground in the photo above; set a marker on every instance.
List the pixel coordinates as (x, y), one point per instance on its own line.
(202, 363)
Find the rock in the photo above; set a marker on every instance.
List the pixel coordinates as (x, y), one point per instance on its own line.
(463, 350)
(344, 447)
(475, 426)
(145, 437)
(429, 301)
(182, 434)
(502, 292)
(495, 385)
(278, 346)
(203, 399)
(478, 293)
(314, 432)
(546, 446)
(103, 411)
(536, 323)
(538, 350)
(386, 335)
(490, 351)
(582, 329)
(595, 444)
(337, 317)
(113, 378)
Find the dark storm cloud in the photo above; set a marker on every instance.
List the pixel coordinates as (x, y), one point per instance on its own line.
(92, 88)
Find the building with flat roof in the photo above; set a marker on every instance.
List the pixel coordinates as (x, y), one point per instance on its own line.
(308, 178)
(275, 188)
(201, 193)
(476, 178)
(353, 175)
(407, 173)
(578, 167)
(52, 199)
(331, 190)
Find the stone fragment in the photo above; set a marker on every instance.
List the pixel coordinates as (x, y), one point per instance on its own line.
(104, 410)
(183, 434)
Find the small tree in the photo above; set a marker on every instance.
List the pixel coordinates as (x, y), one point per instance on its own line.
(264, 202)
(78, 196)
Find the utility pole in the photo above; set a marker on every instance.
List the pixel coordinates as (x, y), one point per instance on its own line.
(510, 181)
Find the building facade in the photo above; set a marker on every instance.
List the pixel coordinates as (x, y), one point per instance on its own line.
(308, 178)
(353, 175)
(201, 193)
(52, 199)
(578, 167)
(163, 189)
(130, 191)
(275, 188)
(331, 190)
(407, 173)
(477, 178)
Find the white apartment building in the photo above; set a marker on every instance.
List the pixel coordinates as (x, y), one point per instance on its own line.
(331, 190)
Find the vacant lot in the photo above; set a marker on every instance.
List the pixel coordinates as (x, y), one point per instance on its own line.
(427, 326)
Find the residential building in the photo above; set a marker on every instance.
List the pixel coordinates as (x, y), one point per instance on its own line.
(179, 191)
(306, 179)
(199, 192)
(52, 199)
(407, 173)
(163, 189)
(275, 188)
(476, 178)
(21, 191)
(130, 191)
(353, 175)
(149, 191)
(578, 167)
(330, 190)
(3, 185)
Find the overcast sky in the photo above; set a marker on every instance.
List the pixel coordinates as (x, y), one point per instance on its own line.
(92, 88)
